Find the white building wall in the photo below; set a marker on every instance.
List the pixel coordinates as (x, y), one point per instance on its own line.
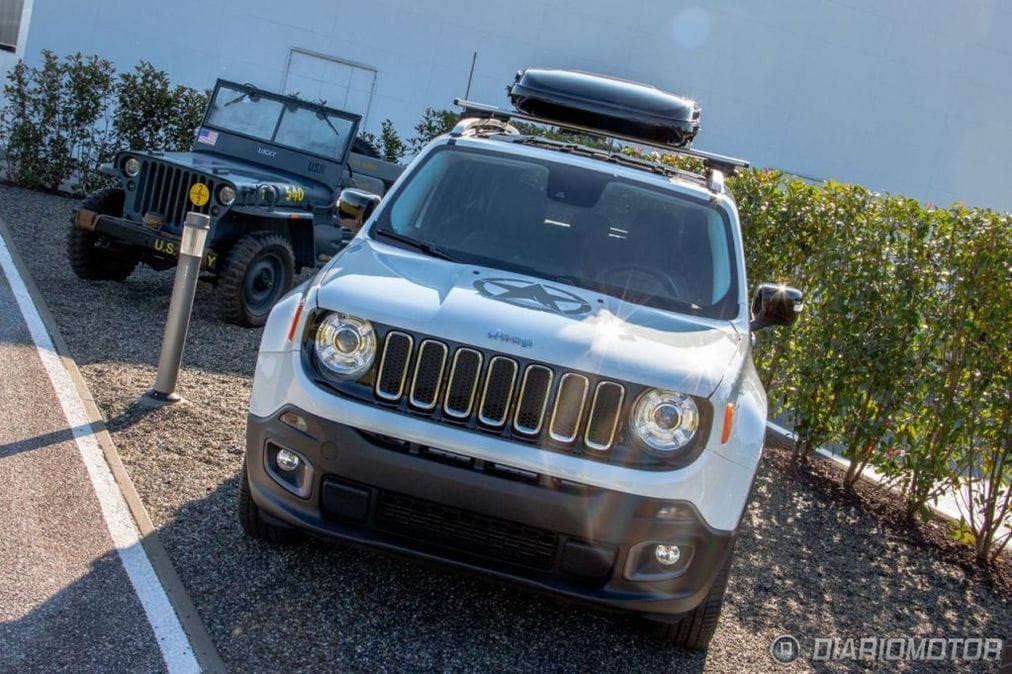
(908, 96)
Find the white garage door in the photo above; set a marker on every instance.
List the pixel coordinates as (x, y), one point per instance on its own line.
(343, 85)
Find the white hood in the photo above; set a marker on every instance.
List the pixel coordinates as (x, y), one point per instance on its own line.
(584, 330)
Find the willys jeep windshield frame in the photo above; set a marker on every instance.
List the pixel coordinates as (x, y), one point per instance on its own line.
(288, 102)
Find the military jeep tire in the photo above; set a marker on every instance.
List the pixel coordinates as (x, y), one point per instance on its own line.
(695, 629)
(89, 261)
(259, 269)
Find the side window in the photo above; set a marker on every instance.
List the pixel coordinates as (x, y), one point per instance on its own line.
(408, 210)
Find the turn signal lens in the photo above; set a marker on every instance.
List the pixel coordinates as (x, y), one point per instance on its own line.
(295, 421)
(725, 435)
(295, 318)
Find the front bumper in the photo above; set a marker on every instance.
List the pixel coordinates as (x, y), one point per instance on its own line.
(124, 233)
(584, 543)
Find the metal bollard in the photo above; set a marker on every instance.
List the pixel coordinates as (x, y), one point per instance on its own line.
(191, 254)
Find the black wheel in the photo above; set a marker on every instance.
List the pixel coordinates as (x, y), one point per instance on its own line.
(694, 631)
(258, 271)
(87, 259)
(251, 521)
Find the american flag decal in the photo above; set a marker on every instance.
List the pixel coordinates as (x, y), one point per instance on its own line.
(207, 137)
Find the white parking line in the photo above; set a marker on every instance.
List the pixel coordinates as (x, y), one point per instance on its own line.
(172, 640)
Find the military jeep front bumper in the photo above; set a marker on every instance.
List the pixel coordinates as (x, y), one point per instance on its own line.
(124, 233)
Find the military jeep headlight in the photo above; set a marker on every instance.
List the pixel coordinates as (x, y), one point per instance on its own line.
(345, 345)
(226, 195)
(131, 167)
(665, 420)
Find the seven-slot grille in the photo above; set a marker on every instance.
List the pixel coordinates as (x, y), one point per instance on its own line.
(498, 393)
(165, 190)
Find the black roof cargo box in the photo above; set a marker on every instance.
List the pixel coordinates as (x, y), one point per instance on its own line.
(612, 105)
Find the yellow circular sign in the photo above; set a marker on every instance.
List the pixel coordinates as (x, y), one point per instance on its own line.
(199, 194)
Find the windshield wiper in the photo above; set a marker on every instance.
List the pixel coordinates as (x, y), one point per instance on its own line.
(421, 246)
(331, 125)
(574, 281)
(236, 99)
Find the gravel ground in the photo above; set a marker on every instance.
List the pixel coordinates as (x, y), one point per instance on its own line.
(806, 564)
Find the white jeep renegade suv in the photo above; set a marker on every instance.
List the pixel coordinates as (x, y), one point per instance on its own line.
(533, 360)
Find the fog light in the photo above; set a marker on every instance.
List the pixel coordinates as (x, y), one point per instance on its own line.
(665, 554)
(288, 460)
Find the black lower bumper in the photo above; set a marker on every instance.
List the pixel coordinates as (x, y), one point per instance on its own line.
(584, 543)
(127, 234)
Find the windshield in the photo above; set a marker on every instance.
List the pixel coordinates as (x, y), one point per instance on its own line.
(569, 224)
(307, 129)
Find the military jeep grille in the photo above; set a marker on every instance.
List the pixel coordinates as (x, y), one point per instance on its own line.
(164, 190)
(496, 392)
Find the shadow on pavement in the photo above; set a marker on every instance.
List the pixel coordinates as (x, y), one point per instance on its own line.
(94, 624)
(129, 417)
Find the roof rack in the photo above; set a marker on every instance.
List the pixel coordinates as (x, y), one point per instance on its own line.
(711, 160)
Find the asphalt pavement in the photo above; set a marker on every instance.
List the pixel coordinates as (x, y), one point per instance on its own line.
(77, 591)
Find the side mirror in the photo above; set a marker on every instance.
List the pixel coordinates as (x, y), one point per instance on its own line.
(354, 207)
(775, 304)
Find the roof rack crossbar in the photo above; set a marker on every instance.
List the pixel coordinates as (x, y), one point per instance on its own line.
(710, 159)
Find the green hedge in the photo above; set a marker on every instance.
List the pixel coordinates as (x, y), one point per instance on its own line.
(902, 354)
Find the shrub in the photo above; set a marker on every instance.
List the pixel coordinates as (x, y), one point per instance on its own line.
(434, 123)
(57, 123)
(54, 125)
(187, 114)
(368, 144)
(901, 355)
(392, 148)
(151, 114)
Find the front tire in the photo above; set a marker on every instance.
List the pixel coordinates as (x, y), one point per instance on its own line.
(252, 521)
(695, 630)
(89, 261)
(258, 271)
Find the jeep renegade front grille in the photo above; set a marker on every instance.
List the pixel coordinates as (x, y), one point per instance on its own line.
(163, 192)
(465, 531)
(495, 392)
(393, 367)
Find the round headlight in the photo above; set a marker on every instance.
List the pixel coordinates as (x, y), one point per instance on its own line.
(345, 345)
(131, 167)
(665, 420)
(226, 195)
